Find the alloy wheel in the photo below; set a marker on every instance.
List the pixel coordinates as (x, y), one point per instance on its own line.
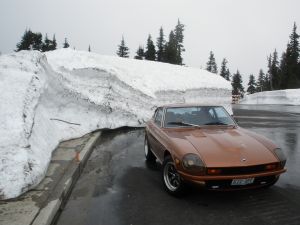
(171, 177)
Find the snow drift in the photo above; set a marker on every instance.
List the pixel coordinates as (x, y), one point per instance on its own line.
(280, 97)
(47, 98)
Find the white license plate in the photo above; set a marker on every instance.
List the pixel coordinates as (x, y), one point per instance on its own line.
(242, 181)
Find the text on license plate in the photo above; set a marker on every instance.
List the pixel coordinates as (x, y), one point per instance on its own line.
(242, 181)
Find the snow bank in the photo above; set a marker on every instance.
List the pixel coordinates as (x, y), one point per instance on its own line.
(47, 98)
(280, 97)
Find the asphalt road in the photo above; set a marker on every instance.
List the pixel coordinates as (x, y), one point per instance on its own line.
(119, 187)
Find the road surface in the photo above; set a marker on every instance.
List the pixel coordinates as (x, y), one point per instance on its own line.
(119, 187)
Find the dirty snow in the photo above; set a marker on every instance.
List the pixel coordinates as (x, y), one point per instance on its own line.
(280, 97)
(63, 94)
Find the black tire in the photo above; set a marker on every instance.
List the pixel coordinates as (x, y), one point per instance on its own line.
(150, 157)
(172, 181)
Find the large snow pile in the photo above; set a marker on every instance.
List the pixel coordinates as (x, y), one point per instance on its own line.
(280, 97)
(47, 98)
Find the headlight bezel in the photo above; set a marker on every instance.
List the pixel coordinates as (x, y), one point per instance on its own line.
(193, 164)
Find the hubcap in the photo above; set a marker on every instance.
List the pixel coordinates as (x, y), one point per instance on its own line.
(171, 177)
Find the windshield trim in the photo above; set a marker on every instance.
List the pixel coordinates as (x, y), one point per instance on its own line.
(164, 125)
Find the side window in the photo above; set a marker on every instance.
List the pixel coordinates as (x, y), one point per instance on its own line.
(158, 116)
(212, 113)
(220, 113)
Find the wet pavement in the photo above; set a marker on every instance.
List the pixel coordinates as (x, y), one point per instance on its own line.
(119, 187)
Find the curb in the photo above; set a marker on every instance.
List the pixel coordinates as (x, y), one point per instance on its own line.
(50, 212)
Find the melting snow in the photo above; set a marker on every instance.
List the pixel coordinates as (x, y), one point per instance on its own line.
(280, 97)
(63, 94)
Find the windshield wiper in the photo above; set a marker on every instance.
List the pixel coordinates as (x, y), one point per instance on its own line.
(216, 123)
(183, 124)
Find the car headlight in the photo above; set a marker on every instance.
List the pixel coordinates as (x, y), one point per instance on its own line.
(193, 163)
(281, 156)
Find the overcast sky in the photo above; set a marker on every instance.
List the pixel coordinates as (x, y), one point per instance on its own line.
(243, 31)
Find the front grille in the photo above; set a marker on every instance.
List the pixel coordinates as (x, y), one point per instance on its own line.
(241, 170)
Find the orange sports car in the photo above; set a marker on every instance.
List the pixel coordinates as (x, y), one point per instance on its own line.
(204, 145)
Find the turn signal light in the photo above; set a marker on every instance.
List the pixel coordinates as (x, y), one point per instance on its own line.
(271, 167)
(177, 161)
(214, 171)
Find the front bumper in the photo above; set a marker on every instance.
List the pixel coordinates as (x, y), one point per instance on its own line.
(223, 182)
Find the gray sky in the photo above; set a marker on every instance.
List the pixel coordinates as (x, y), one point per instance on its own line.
(244, 32)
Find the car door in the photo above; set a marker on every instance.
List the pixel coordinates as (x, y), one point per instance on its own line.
(149, 130)
(155, 134)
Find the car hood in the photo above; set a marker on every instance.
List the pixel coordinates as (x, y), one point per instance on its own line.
(225, 147)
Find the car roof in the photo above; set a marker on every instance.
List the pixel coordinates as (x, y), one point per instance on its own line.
(177, 105)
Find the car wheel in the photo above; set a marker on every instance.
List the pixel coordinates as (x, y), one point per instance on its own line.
(150, 157)
(172, 181)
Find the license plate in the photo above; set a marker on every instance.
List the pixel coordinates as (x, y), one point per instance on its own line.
(242, 181)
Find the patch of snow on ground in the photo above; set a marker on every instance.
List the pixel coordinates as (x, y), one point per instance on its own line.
(63, 94)
(280, 97)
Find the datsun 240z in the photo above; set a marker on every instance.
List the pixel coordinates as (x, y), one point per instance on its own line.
(204, 145)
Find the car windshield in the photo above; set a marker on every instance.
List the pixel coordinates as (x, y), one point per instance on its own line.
(197, 116)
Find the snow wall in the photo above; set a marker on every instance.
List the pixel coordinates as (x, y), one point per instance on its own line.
(64, 94)
(280, 97)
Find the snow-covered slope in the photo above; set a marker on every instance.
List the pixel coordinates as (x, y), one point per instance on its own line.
(65, 94)
(280, 97)
(147, 76)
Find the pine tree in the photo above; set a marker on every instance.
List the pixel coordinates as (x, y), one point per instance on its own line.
(237, 84)
(49, 45)
(274, 72)
(211, 65)
(290, 75)
(178, 32)
(26, 41)
(123, 50)
(150, 53)
(171, 49)
(224, 70)
(66, 44)
(30, 41)
(251, 85)
(54, 43)
(160, 44)
(267, 82)
(140, 54)
(268, 86)
(227, 77)
(46, 44)
(283, 68)
(261, 81)
(294, 44)
(89, 49)
(37, 42)
(268, 77)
